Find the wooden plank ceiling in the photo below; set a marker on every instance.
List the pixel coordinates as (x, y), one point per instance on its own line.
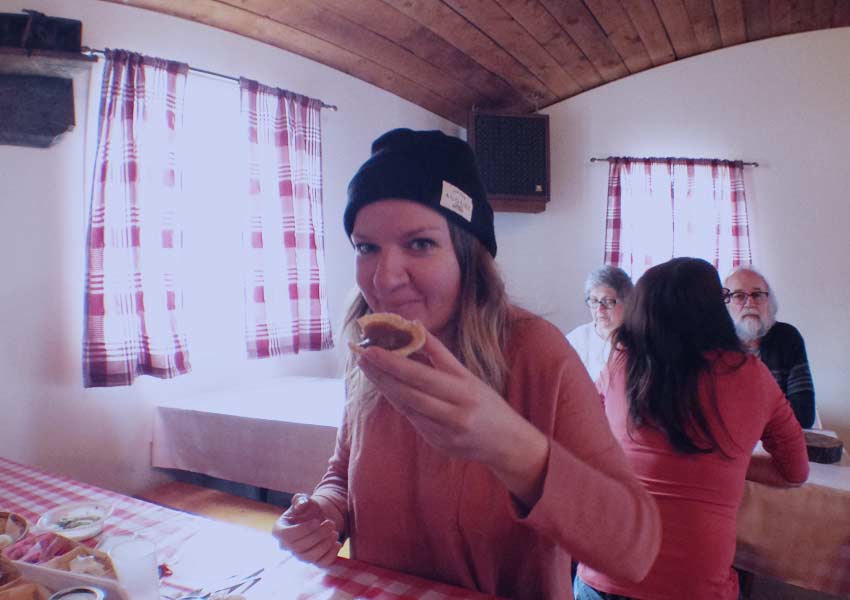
(515, 56)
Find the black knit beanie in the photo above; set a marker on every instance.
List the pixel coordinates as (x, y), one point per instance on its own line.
(428, 167)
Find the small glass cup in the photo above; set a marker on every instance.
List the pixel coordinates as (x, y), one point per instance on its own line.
(138, 573)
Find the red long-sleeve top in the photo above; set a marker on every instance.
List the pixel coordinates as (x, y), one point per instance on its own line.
(698, 494)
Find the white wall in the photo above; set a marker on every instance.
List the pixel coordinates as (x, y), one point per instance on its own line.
(102, 435)
(781, 102)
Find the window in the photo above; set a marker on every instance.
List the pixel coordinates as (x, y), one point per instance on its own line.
(187, 274)
(661, 208)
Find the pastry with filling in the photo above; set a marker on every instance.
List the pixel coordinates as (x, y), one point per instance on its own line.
(390, 332)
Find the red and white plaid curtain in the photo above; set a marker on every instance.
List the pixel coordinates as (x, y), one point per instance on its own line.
(133, 295)
(659, 208)
(285, 295)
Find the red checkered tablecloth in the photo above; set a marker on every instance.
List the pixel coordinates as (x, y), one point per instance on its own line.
(208, 556)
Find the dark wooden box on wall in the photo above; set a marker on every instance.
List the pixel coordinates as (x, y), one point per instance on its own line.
(39, 58)
(35, 110)
(36, 31)
(513, 156)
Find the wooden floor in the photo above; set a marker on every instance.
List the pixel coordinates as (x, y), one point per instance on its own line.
(215, 504)
(212, 503)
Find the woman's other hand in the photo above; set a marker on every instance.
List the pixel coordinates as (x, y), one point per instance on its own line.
(459, 414)
(305, 531)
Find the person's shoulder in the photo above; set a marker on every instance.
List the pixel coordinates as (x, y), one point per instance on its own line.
(535, 345)
(758, 370)
(782, 327)
(742, 371)
(736, 364)
(533, 331)
(784, 333)
(579, 332)
(524, 321)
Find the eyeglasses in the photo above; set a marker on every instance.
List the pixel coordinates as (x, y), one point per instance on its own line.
(608, 303)
(740, 298)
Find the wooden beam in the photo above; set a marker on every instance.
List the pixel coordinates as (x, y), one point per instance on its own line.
(455, 29)
(802, 15)
(499, 55)
(489, 17)
(780, 17)
(239, 21)
(677, 22)
(730, 20)
(618, 26)
(841, 16)
(651, 29)
(757, 17)
(579, 23)
(325, 24)
(823, 10)
(318, 21)
(704, 22)
(386, 21)
(534, 17)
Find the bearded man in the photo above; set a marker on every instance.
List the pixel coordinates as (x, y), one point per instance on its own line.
(753, 306)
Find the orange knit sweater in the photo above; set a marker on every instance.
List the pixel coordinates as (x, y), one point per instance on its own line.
(410, 508)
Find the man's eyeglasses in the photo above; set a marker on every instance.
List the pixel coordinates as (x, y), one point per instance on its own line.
(740, 298)
(593, 303)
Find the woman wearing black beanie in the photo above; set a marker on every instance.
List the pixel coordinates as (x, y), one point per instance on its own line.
(484, 460)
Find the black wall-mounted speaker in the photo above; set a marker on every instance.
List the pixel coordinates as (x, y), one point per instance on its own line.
(37, 31)
(513, 157)
(35, 110)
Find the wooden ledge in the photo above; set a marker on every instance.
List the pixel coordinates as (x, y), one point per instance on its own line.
(44, 62)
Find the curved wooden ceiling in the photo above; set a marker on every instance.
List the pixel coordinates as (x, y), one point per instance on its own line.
(517, 56)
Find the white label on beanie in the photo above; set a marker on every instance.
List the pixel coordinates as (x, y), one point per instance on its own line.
(456, 200)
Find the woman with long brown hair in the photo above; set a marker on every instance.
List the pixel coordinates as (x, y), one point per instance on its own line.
(688, 405)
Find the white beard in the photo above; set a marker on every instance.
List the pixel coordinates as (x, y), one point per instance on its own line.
(751, 328)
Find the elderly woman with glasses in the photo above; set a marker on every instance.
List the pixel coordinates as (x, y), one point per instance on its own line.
(605, 293)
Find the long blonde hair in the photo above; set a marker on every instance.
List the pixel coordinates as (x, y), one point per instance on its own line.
(481, 325)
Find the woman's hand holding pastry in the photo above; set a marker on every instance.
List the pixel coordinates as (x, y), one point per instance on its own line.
(459, 414)
(304, 531)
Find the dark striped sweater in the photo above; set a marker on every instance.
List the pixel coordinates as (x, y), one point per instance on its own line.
(783, 350)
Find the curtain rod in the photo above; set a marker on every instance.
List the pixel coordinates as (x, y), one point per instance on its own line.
(204, 71)
(609, 159)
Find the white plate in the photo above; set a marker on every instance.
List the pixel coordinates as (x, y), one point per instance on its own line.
(76, 521)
